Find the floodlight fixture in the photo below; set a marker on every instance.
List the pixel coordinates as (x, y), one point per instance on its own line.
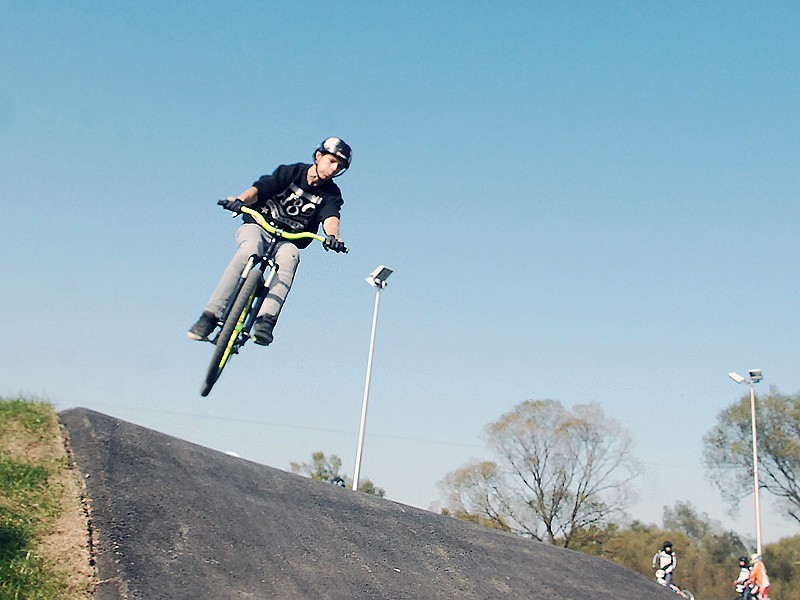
(755, 375)
(379, 276)
(736, 377)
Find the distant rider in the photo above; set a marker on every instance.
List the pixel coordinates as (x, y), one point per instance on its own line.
(742, 587)
(758, 578)
(666, 561)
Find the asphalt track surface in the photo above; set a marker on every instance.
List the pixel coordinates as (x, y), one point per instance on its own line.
(175, 520)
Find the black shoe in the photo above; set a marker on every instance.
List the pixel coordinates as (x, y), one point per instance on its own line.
(204, 326)
(262, 330)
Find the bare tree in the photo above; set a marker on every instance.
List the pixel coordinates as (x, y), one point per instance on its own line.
(474, 494)
(558, 471)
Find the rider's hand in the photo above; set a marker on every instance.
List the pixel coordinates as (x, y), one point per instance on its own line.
(331, 243)
(232, 204)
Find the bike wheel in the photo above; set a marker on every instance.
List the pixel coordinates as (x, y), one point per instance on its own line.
(228, 339)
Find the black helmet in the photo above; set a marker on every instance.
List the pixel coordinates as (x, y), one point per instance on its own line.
(667, 545)
(745, 560)
(339, 148)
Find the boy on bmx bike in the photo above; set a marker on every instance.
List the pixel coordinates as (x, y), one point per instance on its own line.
(295, 198)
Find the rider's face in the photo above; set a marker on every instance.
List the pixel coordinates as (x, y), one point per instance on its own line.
(328, 165)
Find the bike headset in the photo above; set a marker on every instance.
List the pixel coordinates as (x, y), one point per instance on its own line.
(338, 148)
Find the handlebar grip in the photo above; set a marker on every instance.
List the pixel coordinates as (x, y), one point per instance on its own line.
(220, 202)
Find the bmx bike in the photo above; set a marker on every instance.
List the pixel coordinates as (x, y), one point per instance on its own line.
(682, 593)
(244, 303)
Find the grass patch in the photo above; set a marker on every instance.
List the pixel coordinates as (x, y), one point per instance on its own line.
(35, 417)
(35, 492)
(19, 478)
(23, 574)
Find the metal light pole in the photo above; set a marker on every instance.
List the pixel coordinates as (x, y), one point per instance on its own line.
(755, 377)
(377, 279)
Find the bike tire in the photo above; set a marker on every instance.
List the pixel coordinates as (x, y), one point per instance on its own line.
(231, 329)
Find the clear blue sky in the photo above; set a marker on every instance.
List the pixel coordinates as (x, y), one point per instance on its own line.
(589, 202)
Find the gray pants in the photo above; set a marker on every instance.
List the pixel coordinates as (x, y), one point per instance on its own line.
(252, 239)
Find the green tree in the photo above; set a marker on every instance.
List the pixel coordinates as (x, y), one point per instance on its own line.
(685, 519)
(326, 469)
(632, 547)
(710, 559)
(707, 554)
(782, 560)
(559, 471)
(728, 451)
(367, 487)
(320, 467)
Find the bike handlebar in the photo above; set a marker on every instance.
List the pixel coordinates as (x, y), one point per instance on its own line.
(287, 235)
